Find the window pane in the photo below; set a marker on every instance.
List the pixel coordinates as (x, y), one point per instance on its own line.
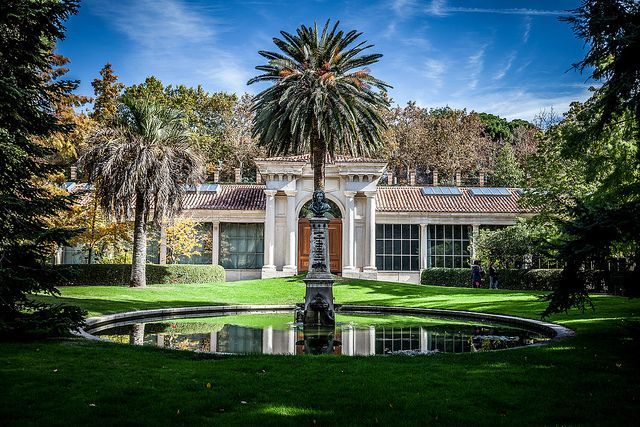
(405, 246)
(448, 262)
(388, 231)
(397, 265)
(397, 247)
(397, 233)
(388, 246)
(379, 246)
(406, 265)
(414, 263)
(380, 262)
(448, 231)
(406, 234)
(457, 232)
(415, 247)
(379, 230)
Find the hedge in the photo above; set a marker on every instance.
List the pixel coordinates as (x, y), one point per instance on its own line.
(119, 274)
(539, 280)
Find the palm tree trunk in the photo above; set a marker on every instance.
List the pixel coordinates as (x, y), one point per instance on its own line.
(139, 261)
(319, 152)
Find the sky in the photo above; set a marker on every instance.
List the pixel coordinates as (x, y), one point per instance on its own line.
(510, 58)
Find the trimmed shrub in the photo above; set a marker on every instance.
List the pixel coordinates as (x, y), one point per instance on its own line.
(539, 280)
(119, 274)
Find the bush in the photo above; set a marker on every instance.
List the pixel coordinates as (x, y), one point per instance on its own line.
(119, 274)
(538, 280)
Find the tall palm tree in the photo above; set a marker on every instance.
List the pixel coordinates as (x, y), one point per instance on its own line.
(322, 100)
(141, 165)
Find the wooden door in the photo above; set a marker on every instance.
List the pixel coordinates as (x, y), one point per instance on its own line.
(335, 245)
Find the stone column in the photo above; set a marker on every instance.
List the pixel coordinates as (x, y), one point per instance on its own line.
(291, 268)
(267, 340)
(269, 233)
(481, 179)
(389, 177)
(474, 236)
(412, 177)
(238, 175)
(350, 269)
(372, 340)
(370, 271)
(435, 178)
(215, 243)
(458, 179)
(424, 248)
(216, 176)
(163, 245)
(258, 178)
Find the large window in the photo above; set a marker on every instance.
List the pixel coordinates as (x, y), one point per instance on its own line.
(241, 245)
(449, 246)
(397, 247)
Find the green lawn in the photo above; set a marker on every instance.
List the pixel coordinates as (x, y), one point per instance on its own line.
(589, 379)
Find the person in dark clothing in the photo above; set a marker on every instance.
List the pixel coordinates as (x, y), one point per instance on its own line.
(493, 276)
(476, 274)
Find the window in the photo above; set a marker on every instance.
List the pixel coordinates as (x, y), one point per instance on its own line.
(397, 247)
(448, 246)
(241, 245)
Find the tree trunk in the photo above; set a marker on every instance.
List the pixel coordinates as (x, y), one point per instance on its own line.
(319, 152)
(139, 261)
(93, 227)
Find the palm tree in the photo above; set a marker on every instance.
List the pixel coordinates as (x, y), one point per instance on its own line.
(141, 165)
(322, 100)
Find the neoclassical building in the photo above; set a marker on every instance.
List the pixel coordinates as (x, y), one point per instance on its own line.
(383, 232)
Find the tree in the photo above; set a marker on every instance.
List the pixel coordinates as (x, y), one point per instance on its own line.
(107, 90)
(28, 33)
(141, 165)
(497, 128)
(507, 172)
(238, 138)
(182, 239)
(322, 99)
(603, 137)
(69, 141)
(204, 113)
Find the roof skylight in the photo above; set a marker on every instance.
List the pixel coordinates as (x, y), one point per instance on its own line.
(441, 191)
(490, 191)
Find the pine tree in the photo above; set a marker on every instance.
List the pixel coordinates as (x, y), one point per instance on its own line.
(28, 33)
(107, 90)
(507, 172)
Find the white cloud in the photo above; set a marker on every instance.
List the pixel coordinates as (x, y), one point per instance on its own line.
(434, 70)
(475, 63)
(178, 41)
(510, 11)
(437, 8)
(527, 29)
(507, 66)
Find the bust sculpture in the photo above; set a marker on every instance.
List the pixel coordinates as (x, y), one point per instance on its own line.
(319, 206)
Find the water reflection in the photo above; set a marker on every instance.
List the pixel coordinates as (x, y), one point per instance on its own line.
(346, 339)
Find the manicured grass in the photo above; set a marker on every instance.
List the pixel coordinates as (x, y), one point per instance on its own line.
(589, 379)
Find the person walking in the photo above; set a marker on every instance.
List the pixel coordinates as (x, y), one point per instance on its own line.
(476, 274)
(493, 276)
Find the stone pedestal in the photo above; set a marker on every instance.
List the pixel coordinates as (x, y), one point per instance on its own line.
(318, 301)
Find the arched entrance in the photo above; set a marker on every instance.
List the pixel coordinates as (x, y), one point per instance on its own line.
(335, 238)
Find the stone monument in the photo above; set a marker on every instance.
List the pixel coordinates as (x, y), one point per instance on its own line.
(318, 301)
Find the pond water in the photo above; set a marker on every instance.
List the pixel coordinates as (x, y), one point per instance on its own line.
(354, 335)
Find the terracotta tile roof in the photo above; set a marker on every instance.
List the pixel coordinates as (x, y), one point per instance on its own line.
(230, 197)
(411, 199)
(338, 158)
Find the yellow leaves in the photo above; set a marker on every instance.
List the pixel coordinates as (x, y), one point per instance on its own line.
(182, 238)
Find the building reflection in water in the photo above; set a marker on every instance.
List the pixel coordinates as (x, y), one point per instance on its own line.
(346, 339)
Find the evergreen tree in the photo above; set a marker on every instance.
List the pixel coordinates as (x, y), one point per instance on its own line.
(28, 32)
(507, 172)
(107, 90)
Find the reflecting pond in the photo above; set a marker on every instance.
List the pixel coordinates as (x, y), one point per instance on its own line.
(354, 335)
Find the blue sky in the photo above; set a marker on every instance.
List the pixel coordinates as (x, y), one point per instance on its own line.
(510, 58)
